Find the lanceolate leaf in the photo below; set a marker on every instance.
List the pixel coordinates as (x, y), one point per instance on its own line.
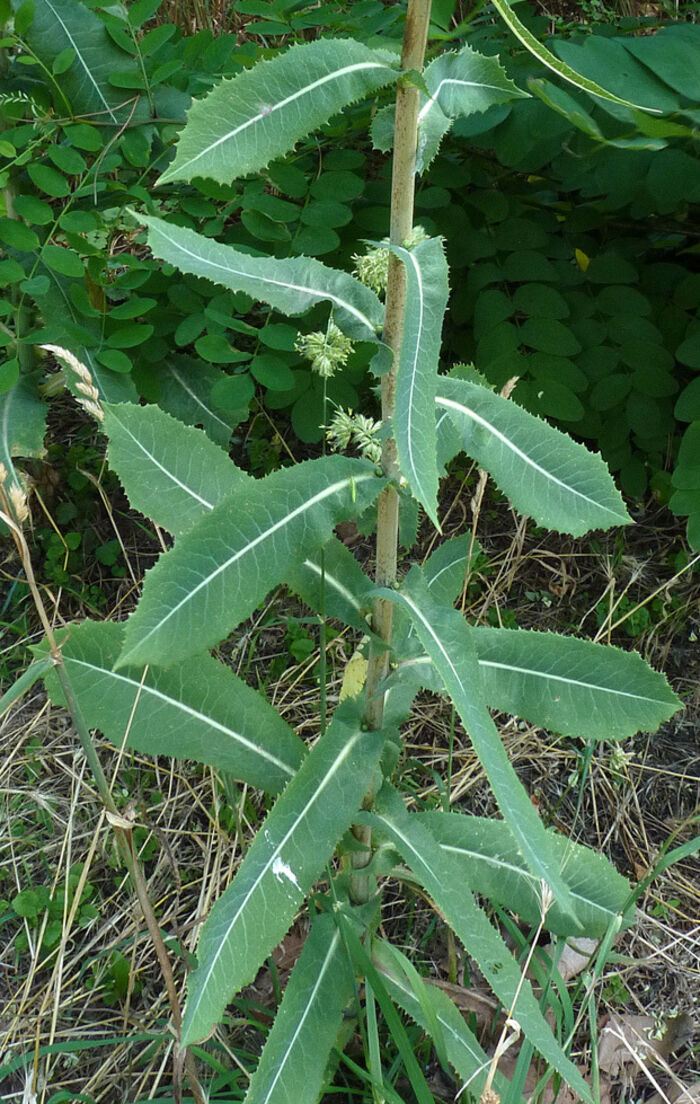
(290, 285)
(263, 112)
(285, 858)
(547, 58)
(444, 634)
(424, 856)
(66, 24)
(332, 578)
(459, 84)
(416, 379)
(482, 853)
(172, 473)
(464, 1052)
(296, 1053)
(228, 561)
(195, 710)
(571, 686)
(22, 425)
(593, 691)
(545, 474)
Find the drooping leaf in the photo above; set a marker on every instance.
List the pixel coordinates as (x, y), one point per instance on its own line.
(505, 10)
(424, 856)
(459, 84)
(195, 710)
(60, 25)
(171, 473)
(25, 682)
(290, 285)
(445, 635)
(294, 1059)
(344, 589)
(228, 561)
(545, 474)
(482, 853)
(464, 1051)
(281, 865)
(262, 113)
(22, 425)
(416, 377)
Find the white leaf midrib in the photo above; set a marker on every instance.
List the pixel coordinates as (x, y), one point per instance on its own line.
(320, 294)
(223, 939)
(270, 110)
(325, 965)
(82, 60)
(452, 404)
(532, 672)
(142, 687)
(269, 532)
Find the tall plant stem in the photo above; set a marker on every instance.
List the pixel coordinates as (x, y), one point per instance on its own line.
(415, 39)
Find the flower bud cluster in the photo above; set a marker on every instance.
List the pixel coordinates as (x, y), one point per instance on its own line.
(326, 351)
(356, 429)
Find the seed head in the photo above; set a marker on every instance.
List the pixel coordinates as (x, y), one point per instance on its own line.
(91, 400)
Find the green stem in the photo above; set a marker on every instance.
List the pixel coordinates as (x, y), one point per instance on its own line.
(402, 199)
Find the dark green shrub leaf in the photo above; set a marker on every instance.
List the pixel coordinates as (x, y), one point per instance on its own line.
(688, 352)
(61, 260)
(233, 393)
(33, 209)
(48, 180)
(18, 236)
(127, 337)
(540, 301)
(687, 408)
(115, 360)
(216, 349)
(549, 336)
(610, 391)
(271, 371)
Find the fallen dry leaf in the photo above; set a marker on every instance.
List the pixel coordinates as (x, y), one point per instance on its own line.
(635, 1040)
(678, 1094)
